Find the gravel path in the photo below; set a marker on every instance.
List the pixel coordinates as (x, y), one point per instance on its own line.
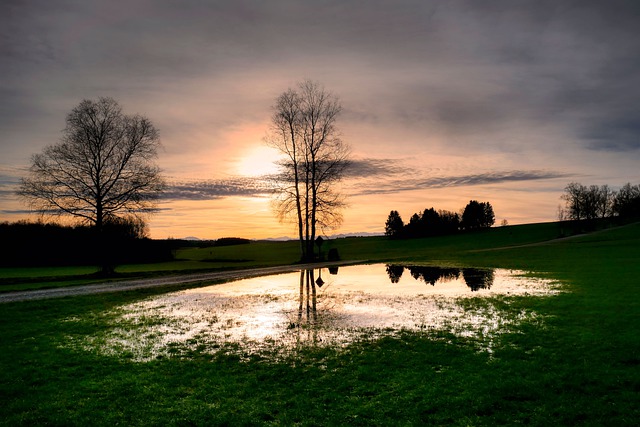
(158, 282)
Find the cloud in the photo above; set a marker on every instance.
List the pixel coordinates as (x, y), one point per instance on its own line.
(370, 167)
(618, 134)
(20, 212)
(517, 87)
(217, 189)
(401, 185)
(465, 71)
(8, 183)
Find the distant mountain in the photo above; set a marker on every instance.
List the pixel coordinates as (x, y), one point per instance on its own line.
(333, 236)
(362, 234)
(286, 238)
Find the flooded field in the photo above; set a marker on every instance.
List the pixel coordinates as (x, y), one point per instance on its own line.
(281, 313)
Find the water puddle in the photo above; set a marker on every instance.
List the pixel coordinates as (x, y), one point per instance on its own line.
(324, 307)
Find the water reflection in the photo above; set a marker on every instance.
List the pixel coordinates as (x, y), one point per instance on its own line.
(395, 272)
(318, 307)
(475, 278)
(310, 296)
(305, 327)
(431, 275)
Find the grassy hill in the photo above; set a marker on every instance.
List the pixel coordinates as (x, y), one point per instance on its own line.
(578, 365)
(268, 253)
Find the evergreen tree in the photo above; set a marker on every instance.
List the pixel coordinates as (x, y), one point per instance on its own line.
(394, 226)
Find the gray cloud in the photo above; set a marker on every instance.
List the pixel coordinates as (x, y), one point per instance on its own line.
(371, 176)
(421, 183)
(460, 68)
(8, 185)
(21, 212)
(216, 189)
(379, 168)
(546, 84)
(619, 134)
(9, 178)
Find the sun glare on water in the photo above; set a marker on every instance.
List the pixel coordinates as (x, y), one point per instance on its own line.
(267, 315)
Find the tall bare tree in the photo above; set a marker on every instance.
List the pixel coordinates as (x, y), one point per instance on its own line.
(102, 169)
(303, 129)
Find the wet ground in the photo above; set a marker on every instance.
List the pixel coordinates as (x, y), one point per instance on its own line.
(280, 313)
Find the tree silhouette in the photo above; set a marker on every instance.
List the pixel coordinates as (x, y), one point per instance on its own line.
(101, 169)
(414, 227)
(478, 215)
(303, 128)
(394, 225)
(430, 222)
(626, 202)
(449, 221)
(582, 202)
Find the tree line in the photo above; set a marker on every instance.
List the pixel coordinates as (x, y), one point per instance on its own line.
(123, 240)
(475, 215)
(600, 201)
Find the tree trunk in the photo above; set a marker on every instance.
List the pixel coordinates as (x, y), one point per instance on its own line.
(105, 248)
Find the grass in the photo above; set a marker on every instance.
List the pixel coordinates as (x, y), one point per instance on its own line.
(257, 254)
(580, 366)
(266, 254)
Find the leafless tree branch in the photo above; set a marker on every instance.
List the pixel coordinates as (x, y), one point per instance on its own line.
(102, 167)
(303, 129)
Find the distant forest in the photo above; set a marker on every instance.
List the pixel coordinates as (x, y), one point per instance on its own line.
(41, 244)
(31, 244)
(476, 215)
(600, 201)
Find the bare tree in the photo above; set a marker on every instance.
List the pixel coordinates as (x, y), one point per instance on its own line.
(103, 167)
(605, 198)
(626, 202)
(588, 203)
(576, 201)
(303, 129)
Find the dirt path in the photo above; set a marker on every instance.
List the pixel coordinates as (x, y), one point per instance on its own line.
(158, 282)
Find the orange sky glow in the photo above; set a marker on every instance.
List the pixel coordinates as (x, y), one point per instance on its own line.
(443, 102)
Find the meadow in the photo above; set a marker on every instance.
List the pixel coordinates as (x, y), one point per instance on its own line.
(268, 253)
(580, 366)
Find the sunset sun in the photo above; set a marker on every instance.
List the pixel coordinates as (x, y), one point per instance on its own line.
(257, 161)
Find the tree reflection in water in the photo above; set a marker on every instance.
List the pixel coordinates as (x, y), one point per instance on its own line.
(307, 306)
(395, 272)
(475, 278)
(308, 298)
(430, 275)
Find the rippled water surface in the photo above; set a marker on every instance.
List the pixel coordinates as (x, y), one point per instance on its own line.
(320, 307)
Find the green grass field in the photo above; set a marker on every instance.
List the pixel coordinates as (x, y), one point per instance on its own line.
(580, 366)
(265, 254)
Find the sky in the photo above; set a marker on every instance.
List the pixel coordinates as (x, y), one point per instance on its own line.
(443, 101)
